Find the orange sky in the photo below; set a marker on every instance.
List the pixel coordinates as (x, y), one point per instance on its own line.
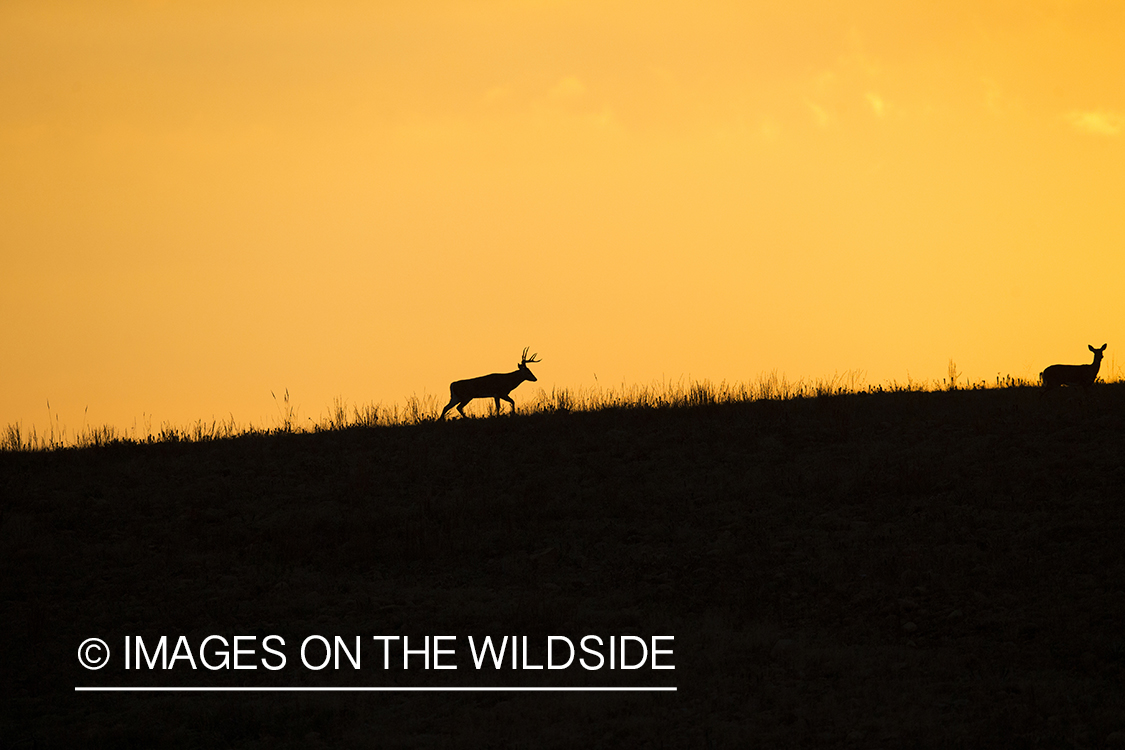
(202, 203)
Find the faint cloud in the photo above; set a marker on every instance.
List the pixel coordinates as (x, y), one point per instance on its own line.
(497, 92)
(567, 98)
(834, 93)
(820, 114)
(825, 80)
(769, 129)
(497, 95)
(1097, 122)
(857, 56)
(877, 104)
(567, 95)
(568, 88)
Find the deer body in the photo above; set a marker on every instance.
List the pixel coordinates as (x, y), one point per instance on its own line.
(1073, 375)
(495, 386)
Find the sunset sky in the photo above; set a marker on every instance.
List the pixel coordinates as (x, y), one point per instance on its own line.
(203, 202)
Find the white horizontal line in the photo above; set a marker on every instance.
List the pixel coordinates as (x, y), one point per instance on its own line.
(373, 689)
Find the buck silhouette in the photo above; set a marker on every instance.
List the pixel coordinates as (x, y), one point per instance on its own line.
(1083, 375)
(495, 386)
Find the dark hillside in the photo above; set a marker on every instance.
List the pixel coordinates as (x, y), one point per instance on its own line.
(875, 570)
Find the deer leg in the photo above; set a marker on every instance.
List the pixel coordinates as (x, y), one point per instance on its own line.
(448, 406)
(509, 400)
(461, 407)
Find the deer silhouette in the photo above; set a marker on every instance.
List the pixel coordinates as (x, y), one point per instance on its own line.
(1083, 375)
(495, 386)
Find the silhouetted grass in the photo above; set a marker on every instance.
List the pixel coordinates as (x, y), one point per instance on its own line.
(418, 409)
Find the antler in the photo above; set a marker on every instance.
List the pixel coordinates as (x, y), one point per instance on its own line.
(527, 361)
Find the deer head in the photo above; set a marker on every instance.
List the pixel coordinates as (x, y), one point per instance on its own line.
(525, 361)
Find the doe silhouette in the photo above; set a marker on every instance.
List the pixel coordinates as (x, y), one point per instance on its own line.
(1083, 375)
(495, 386)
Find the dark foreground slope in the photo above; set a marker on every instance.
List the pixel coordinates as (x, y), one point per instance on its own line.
(904, 569)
